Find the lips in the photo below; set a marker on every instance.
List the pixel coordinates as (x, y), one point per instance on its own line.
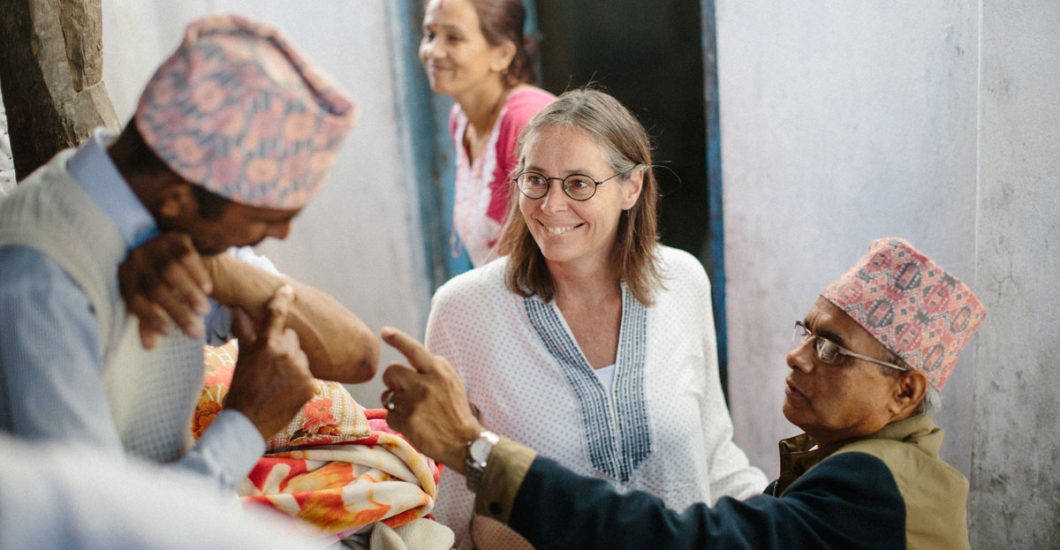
(557, 230)
(794, 391)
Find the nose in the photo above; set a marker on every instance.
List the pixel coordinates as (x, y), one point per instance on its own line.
(429, 49)
(801, 357)
(555, 200)
(279, 230)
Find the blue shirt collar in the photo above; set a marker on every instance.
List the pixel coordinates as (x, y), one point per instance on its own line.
(92, 167)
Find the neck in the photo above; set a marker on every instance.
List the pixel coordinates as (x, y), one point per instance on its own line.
(145, 189)
(482, 105)
(584, 283)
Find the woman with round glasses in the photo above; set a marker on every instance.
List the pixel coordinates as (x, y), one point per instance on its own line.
(474, 51)
(590, 340)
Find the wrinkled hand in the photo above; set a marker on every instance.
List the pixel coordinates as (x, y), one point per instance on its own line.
(165, 279)
(272, 380)
(430, 404)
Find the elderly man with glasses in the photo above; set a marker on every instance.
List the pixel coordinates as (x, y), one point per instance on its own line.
(870, 359)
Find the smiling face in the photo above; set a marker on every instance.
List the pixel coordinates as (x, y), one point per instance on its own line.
(569, 233)
(853, 398)
(455, 53)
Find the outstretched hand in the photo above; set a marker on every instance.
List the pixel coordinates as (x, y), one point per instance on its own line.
(429, 404)
(272, 380)
(163, 279)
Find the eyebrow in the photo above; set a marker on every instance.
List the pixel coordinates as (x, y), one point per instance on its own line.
(580, 171)
(824, 333)
(444, 26)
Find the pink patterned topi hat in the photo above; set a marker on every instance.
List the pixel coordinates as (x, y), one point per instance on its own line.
(911, 305)
(238, 111)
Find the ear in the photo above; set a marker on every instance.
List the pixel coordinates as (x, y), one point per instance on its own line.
(910, 389)
(631, 190)
(177, 200)
(503, 54)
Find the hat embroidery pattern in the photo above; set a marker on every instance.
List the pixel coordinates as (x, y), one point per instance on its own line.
(237, 110)
(912, 306)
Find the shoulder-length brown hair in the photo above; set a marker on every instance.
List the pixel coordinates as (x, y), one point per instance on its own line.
(501, 20)
(626, 148)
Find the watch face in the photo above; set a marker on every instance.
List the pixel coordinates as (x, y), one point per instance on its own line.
(480, 450)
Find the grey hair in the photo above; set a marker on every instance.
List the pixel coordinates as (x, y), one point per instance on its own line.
(932, 402)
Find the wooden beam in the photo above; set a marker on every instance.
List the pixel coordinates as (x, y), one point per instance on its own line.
(51, 75)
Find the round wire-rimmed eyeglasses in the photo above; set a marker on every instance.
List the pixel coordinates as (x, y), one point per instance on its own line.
(579, 187)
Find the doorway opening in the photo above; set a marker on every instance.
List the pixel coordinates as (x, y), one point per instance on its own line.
(657, 59)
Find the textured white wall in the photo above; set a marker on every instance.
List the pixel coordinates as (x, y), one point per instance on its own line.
(358, 240)
(934, 121)
(1015, 499)
(839, 125)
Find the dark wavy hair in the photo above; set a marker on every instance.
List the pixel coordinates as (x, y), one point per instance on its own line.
(501, 20)
(626, 148)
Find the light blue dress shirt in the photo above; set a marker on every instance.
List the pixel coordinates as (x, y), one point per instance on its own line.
(77, 497)
(50, 350)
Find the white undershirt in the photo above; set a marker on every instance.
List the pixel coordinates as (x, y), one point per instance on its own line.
(606, 376)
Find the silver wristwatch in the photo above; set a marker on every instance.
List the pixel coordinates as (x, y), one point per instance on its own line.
(478, 454)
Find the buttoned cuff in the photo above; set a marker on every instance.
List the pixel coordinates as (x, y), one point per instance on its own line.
(230, 447)
(506, 469)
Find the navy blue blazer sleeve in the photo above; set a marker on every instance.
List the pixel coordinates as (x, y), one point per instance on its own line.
(848, 501)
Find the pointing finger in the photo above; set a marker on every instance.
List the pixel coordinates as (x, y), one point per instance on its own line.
(417, 355)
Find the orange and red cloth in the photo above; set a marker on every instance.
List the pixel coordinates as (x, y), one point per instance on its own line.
(337, 465)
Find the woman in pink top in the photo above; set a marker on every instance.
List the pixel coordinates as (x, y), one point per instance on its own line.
(474, 51)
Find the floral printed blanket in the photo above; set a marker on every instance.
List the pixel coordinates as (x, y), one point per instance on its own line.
(336, 465)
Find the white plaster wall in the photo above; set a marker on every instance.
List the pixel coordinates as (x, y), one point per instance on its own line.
(358, 239)
(840, 123)
(935, 121)
(1015, 499)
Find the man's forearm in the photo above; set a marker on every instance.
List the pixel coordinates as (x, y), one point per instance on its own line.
(339, 346)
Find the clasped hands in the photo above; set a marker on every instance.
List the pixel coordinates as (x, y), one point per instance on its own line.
(166, 278)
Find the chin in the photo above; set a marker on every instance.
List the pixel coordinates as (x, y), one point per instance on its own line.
(553, 255)
(209, 249)
(785, 409)
(791, 413)
(438, 86)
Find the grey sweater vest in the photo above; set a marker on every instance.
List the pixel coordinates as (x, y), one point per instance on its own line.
(151, 393)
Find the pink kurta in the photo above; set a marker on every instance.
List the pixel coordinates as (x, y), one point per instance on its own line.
(482, 191)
